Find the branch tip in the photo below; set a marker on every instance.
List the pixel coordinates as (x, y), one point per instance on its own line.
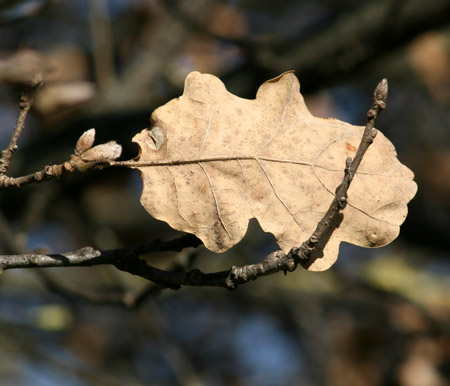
(381, 91)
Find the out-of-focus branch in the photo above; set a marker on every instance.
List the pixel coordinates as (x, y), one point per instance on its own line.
(152, 62)
(354, 39)
(129, 298)
(102, 37)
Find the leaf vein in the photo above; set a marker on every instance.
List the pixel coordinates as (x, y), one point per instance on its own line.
(277, 195)
(215, 201)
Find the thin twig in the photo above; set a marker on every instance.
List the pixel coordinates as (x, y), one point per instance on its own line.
(26, 101)
(102, 37)
(50, 172)
(47, 173)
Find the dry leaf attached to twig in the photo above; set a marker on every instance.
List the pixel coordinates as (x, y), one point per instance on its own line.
(212, 161)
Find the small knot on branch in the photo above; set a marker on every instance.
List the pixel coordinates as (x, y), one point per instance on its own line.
(348, 163)
(230, 280)
(342, 201)
(6, 181)
(53, 171)
(303, 253)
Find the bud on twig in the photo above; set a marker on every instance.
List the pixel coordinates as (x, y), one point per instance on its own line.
(381, 91)
(105, 152)
(86, 157)
(85, 142)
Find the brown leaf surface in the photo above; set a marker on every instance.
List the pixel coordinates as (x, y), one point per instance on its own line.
(212, 161)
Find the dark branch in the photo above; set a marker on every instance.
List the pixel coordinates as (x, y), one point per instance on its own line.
(356, 38)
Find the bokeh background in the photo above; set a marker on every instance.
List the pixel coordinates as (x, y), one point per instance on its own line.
(378, 317)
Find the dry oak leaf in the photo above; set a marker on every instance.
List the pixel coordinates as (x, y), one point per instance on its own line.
(212, 161)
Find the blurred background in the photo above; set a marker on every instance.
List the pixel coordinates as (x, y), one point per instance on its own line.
(377, 317)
